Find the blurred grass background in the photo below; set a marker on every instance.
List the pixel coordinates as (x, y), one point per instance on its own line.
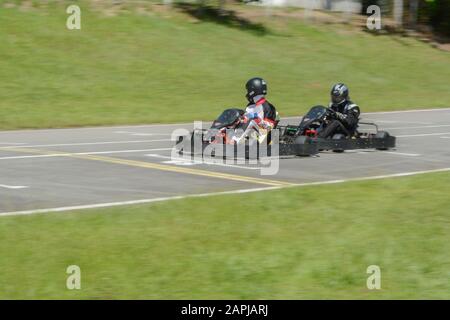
(139, 62)
(142, 63)
(297, 243)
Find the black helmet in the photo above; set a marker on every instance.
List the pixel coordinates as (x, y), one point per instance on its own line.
(255, 87)
(339, 93)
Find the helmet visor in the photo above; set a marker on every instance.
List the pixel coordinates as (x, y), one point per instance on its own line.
(250, 94)
(337, 98)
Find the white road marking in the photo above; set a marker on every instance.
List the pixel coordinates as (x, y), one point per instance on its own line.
(363, 151)
(422, 135)
(12, 187)
(65, 154)
(419, 127)
(368, 151)
(143, 201)
(398, 121)
(106, 127)
(12, 143)
(179, 163)
(409, 111)
(151, 134)
(382, 152)
(393, 122)
(386, 176)
(87, 143)
(143, 133)
(184, 161)
(403, 153)
(131, 202)
(445, 137)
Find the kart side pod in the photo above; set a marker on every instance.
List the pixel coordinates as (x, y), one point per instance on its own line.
(338, 143)
(195, 145)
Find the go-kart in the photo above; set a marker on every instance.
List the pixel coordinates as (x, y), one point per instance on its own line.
(319, 117)
(230, 136)
(232, 127)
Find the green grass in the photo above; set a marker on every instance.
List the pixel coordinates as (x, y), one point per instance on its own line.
(310, 242)
(163, 67)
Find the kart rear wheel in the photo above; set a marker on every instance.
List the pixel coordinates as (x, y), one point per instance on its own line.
(301, 139)
(382, 135)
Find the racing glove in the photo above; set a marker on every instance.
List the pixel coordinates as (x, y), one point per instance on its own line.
(340, 116)
(266, 125)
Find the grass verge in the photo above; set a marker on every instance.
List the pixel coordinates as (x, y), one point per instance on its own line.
(295, 243)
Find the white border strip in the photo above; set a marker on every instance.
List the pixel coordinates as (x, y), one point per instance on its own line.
(408, 111)
(69, 154)
(422, 135)
(143, 201)
(12, 187)
(131, 202)
(83, 143)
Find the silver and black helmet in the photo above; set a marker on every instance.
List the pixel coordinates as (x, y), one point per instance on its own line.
(339, 93)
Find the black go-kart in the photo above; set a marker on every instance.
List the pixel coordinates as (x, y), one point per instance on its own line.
(319, 117)
(229, 136)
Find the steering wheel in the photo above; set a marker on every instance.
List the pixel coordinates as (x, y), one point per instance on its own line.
(331, 113)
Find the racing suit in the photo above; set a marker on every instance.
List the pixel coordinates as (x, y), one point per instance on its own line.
(263, 113)
(347, 116)
(259, 115)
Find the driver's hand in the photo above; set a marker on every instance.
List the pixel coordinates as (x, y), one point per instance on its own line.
(340, 116)
(331, 114)
(266, 125)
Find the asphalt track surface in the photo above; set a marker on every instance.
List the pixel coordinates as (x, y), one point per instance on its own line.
(65, 169)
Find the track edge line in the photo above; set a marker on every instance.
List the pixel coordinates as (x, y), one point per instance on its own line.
(144, 201)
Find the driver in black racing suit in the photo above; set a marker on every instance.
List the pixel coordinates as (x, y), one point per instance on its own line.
(346, 113)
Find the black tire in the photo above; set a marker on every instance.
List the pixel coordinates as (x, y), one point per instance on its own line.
(338, 136)
(301, 139)
(382, 135)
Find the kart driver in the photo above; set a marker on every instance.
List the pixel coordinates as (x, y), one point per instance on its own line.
(259, 112)
(346, 113)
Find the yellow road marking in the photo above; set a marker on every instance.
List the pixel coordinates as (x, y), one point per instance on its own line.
(158, 166)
